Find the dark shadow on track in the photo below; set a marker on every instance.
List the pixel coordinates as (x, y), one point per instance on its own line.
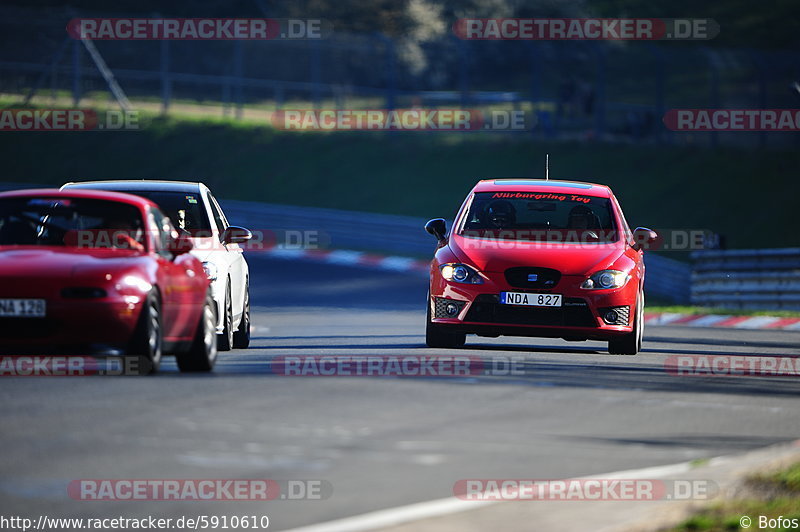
(330, 337)
(721, 342)
(517, 370)
(729, 443)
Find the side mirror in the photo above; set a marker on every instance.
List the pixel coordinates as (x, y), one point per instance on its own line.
(437, 227)
(236, 235)
(180, 243)
(643, 238)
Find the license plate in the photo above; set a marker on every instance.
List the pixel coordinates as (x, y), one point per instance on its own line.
(22, 308)
(530, 300)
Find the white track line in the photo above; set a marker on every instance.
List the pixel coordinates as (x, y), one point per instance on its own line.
(450, 505)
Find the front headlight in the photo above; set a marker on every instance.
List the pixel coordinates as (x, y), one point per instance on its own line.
(605, 279)
(460, 273)
(211, 270)
(132, 288)
(133, 283)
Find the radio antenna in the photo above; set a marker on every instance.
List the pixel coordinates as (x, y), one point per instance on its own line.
(547, 168)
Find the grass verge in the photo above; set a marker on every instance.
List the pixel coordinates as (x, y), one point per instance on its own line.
(774, 496)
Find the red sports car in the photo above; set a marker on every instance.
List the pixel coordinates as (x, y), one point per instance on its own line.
(528, 257)
(101, 273)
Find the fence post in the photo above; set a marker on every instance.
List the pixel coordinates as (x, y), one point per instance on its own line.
(76, 72)
(714, 86)
(660, 84)
(316, 73)
(463, 70)
(52, 72)
(166, 82)
(759, 60)
(226, 95)
(238, 69)
(391, 71)
(536, 84)
(278, 94)
(53, 82)
(600, 91)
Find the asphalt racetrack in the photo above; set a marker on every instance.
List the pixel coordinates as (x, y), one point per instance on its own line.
(379, 442)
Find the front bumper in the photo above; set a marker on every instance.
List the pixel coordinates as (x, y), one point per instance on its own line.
(81, 327)
(581, 316)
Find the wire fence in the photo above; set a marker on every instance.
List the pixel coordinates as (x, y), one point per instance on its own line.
(572, 90)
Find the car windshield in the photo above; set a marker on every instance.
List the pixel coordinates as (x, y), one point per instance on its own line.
(72, 222)
(185, 210)
(541, 217)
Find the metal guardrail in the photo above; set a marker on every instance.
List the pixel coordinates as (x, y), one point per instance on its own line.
(404, 235)
(667, 279)
(747, 278)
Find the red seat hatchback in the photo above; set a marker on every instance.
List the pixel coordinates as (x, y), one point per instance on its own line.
(529, 257)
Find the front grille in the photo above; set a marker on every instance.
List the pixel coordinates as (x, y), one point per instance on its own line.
(531, 277)
(620, 317)
(82, 292)
(575, 312)
(440, 307)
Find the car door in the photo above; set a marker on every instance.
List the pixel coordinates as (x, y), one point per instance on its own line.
(234, 259)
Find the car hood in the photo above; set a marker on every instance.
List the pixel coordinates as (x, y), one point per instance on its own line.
(47, 262)
(570, 259)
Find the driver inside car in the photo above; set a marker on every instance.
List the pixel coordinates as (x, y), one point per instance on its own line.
(501, 215)
(584, 220)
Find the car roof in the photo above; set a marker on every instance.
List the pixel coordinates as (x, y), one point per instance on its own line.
(529, 184)
(72, 193)
(151, 185)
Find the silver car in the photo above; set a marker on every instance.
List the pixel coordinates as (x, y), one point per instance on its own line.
(193, 208)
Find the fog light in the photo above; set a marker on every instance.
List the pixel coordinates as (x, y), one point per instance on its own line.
(615, 315)
(451, 309)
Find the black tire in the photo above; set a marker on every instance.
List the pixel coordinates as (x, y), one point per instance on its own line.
(438, 336)
(631, 343)
(202, 354)
(148, 339)
(225, 340)
(241, 337)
